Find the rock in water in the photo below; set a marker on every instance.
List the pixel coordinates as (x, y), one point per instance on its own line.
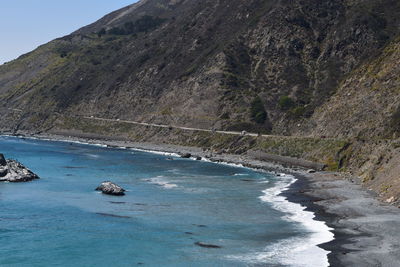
(186, 155)
(14, 172)
(204, 245)
(110, 188)
(3, 161)
(3, 171)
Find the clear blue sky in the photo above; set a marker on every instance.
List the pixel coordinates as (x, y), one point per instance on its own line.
(26, 24)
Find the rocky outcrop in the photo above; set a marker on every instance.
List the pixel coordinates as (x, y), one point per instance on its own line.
(3, 161)
(110, 188)
(3, 166)
(186, 156)
(15, 172)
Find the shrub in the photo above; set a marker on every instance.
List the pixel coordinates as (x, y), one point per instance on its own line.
(225, 116)
(101, 32)
(285, 103)
(297, 112)
(257, 111)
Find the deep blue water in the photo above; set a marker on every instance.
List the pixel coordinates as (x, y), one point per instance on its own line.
(60, 220)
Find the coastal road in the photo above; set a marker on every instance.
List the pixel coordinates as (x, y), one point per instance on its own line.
(176, 127)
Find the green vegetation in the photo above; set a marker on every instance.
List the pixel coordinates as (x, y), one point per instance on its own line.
(257, 111)
(225, 116)
(297, 112)
(293, 109)
(385, 188)
(286, 103)
(101, 32)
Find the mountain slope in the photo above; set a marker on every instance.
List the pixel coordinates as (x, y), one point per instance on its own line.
(267, 66)
(368, 101)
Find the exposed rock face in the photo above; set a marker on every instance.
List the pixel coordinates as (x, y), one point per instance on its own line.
(110, 188)
(14, 172)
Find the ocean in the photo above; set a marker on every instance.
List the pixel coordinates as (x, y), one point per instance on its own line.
(170, 205)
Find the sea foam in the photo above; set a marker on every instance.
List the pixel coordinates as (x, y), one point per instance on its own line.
(297, 251)
(161, 181)
(156, 152)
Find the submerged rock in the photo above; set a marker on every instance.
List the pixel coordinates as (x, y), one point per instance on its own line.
(112, 215)
(14, 172)
(204, 245)
(110, 188)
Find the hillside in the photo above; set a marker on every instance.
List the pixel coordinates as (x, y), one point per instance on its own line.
(301, 68)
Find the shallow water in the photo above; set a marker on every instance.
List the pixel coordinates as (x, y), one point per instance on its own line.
(170, 205)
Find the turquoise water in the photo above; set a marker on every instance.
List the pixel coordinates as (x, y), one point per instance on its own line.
(60, 220)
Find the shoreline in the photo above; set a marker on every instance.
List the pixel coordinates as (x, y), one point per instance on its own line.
(359, 221)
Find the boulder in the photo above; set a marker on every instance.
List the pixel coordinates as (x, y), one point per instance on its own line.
(186, 155)
(3, 171)
(15, 172)
(110, 188)
(3, 161)
(390, 200)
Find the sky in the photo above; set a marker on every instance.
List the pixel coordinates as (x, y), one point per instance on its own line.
(26, 24)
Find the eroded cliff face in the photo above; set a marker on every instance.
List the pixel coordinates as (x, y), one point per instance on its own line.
(204, 63)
